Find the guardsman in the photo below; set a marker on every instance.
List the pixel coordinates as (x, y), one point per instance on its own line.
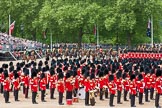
(6, 86)
(16, 85)
(26, 82)
(132, 89)
(119, 86)
(106, 82)
(140, 87)
(87, 88)
(101, 84)
(158, 88)
(69, 87)
(60, 87)
(152, 81)
(42, 84)
(52, 83)
(76, 83)
(112, 89)
(147, 84)
(126, 86)
(34, 86)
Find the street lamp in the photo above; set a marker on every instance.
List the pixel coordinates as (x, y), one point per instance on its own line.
(22, 29)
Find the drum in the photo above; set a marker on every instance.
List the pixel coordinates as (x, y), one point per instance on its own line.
(91, 97)
(69, 101)
(75, 99)
(81, 93)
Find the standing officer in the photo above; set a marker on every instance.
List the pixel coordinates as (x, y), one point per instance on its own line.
(43, 86)
(60, 87)
(158, 89)
(140, 87)
(34, 87)
(147, 84)
(126, 86)
(16, 85)
(52, 82)
(6, 86)
(87, 88)
(1, 80)
(112, 90)
(101, 84)
(119, 86)
(132, 86)
(26, 82)
(152, 81)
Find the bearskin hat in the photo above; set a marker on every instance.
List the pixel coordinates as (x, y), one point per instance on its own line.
(111, 78)
(11, 68)
(42, 75)
(5, 75)
(124, 75)
(16, 75)
(33, 74)
(11, 63)
(158, 72)
(92, 76)
(1, 70)
(140, 77)
(132, 77)
(67, 75)
(60, 75)
(119, 74)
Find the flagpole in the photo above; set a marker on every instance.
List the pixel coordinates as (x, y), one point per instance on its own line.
(97, 37)
(9, 25)
(152, 32)
(51, 41)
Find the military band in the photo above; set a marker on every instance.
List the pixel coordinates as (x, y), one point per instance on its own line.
(103, 78)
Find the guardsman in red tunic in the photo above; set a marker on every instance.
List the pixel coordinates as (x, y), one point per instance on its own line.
(126, 86)
(106, 82)
(101, 84)
(147, 84)
(152, 81)
(76, 83)
(52, 83)
(140, 87)
(6, 86)
(69, 86)
(132, 89)
(42, 84)
(158, 87)
(16, 85)
(26, 82)
(60, 88)
(112, 89)
(87, 88)
(119, 86)
(34, 87)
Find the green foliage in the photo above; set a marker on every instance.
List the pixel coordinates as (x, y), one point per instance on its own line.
(74, 20)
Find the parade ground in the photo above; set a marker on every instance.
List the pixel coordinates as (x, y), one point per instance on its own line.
(27, 103)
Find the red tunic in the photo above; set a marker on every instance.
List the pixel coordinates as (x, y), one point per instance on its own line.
(16, 84)
(132, 88)
(147, 81)
(112, 87)
(34, 85)
(119, 84)
(6, 85)
(43, 84)
(69, 85)
(60, 86)
(140, 86)
(126, 85)
(87, 85)
(76, 83)
(52, 81)
(158, 86)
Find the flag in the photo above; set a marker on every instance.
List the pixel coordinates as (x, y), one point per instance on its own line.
(149, 28)
(11, 28)
(95, 31)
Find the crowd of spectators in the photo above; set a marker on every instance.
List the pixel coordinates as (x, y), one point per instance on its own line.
(15, 43)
